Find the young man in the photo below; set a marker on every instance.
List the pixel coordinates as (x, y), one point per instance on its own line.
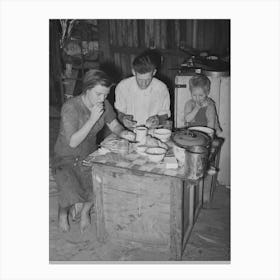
(142, 99)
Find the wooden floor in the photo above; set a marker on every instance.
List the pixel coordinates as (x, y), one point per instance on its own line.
(209, 240)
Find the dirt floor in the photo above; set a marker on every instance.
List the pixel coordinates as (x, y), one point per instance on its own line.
(209, 240)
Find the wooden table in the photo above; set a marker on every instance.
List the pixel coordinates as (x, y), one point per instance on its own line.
(143, 202)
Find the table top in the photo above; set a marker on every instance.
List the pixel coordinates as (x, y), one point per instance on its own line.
(135, 162)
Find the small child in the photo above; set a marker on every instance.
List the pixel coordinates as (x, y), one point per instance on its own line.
(201, 110)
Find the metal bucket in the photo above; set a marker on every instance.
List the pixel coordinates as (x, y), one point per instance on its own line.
(196, 159)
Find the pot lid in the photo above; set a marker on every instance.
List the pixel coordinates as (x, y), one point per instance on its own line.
(186, 138)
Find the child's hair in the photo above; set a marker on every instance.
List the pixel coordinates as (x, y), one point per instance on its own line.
(143, 64)
(95, 77)
(200, 81)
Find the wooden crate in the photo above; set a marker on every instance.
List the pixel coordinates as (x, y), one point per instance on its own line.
(154, 210)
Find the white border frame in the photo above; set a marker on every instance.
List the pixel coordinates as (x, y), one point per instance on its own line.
(254, 130)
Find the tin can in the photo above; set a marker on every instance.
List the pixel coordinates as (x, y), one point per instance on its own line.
(196, 159)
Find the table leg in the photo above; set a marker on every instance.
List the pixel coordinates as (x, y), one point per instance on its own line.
(176, 219)
(98, 190)
(190, 188)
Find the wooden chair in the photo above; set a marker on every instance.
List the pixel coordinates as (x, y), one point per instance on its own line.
(210, 181)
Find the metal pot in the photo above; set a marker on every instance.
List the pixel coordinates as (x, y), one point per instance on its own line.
(196, 160)
(191, 149)
(185, 138)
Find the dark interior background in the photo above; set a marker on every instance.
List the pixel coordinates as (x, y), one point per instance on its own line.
(117, 42)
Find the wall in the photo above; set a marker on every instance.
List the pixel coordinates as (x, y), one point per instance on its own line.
(122, 40)
(55, 65)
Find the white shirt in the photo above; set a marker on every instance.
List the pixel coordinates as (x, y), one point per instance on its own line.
(142, 103)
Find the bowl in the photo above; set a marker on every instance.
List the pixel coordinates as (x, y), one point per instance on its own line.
(155, 154)
(162, 134)
(209, 131)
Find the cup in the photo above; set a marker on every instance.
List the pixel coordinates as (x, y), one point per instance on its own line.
(141, 134)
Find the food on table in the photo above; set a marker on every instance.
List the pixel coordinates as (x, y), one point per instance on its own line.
(122, 146)
(116, 145)
(128, 135)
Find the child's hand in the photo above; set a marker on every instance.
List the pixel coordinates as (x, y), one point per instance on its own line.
(197, 106)
(128, 121)
(204, 103)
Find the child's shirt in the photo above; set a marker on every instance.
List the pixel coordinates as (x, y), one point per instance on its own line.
(205, 114)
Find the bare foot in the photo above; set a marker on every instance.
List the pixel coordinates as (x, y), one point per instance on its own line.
(85, 222)
(63, 222)
(76, 210)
